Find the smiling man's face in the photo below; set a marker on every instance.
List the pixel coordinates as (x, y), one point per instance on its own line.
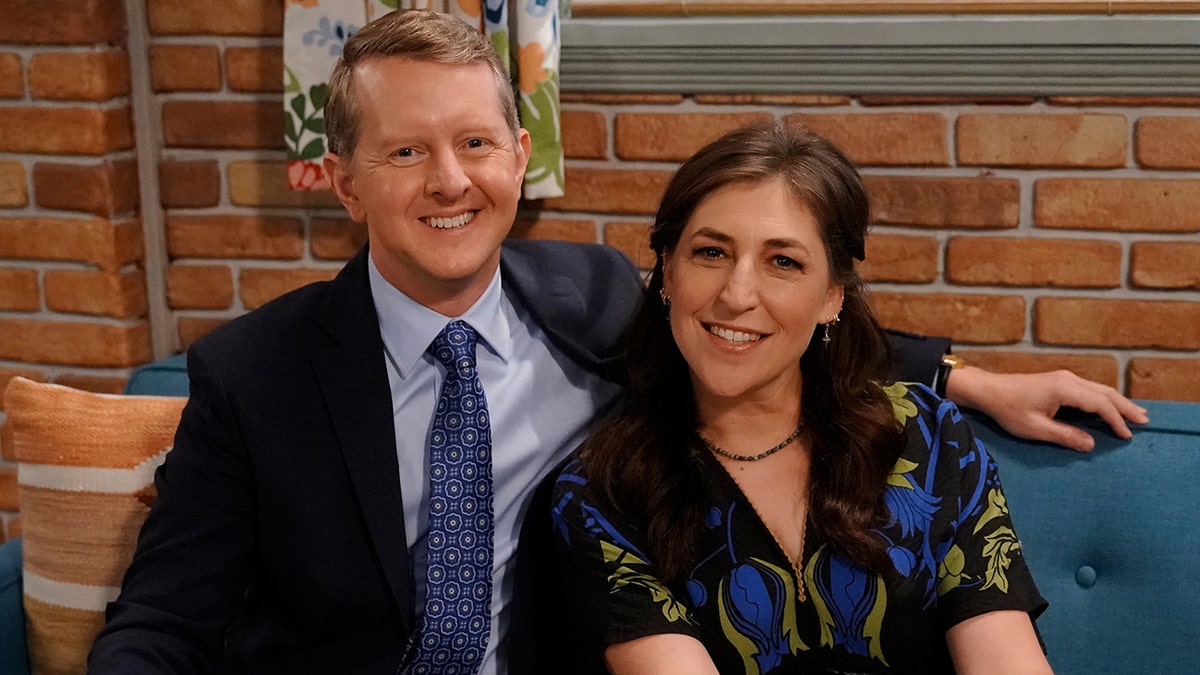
(436, 176)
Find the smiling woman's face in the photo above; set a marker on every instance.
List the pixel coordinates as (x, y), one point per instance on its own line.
(749, 281)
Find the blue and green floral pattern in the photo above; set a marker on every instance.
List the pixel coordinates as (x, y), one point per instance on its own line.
(949, 536)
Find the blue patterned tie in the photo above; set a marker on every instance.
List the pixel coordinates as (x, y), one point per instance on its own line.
(458, 579)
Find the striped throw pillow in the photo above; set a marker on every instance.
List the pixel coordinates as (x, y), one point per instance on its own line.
(85, 482)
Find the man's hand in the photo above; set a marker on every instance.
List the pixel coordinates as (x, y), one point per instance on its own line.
(1025, 405)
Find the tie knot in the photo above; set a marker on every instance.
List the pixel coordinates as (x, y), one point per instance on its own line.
(454, 347)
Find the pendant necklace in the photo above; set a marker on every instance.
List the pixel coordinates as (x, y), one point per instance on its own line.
(797, 563)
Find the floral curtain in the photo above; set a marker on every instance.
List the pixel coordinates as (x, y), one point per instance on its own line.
(314, 31)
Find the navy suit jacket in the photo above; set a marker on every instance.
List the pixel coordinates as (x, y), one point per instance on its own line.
(277, 541)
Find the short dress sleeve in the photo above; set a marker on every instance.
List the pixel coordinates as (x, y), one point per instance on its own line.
(611, 592)
(980, 565)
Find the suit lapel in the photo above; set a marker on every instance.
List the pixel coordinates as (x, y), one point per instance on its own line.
(353, 378)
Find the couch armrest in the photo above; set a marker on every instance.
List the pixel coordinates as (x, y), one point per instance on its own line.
(14, 656)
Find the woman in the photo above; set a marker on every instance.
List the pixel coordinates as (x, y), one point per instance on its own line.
(763, 503)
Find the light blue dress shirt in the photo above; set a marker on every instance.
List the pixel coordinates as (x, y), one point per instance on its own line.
(542, 405)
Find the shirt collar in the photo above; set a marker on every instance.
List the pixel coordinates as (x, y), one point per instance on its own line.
(408, 327)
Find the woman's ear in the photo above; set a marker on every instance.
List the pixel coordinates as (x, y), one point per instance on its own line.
(666, 270)
(833, 302)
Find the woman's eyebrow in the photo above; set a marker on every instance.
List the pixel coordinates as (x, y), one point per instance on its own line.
(712, 234)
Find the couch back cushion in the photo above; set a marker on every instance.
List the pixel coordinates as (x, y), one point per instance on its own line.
(85, 482)
(1112, 538)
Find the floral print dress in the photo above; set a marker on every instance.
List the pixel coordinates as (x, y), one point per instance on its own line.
(949, 536)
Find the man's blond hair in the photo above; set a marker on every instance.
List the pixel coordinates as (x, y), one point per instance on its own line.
(418, 35)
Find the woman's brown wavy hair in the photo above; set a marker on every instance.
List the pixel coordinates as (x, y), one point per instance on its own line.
(643, 462)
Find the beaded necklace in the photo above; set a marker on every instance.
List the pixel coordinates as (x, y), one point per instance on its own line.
(750, 458)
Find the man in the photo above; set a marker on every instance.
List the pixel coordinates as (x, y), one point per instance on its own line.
(302, 515)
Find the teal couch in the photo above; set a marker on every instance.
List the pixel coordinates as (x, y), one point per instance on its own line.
(1113, 538)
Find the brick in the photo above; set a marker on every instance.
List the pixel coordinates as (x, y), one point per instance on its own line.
(772, 99)
(95, 240)
(93, 383)
(1037, 140)
(216, 17)
(186, 68)
(1168, 142)
(1164, 379)
(63, 22)
(189, 184)
(978, 319)
(885, 139)
(260, 286)
(79, 76)
(632, 239)
(1029, 261)
(13, 189)
(922, 99)
(199, 286)
(1100, 368)
(1127, 101)
(193, 328)
(7, 374)
(673, 136)
(1165, 264)
(579, 231)
(8, 489)
(12, 76)
(619, 98)
(119, 295)
(611, 190)
(900, 258)
(65, 131)
(584, 135)
(223, 124)
(6, 440)
(254, 68)
(75, 343)
(261, 183)
(233, 236)
(1095, 322)
(336, 239)
(19, 290)
(944, 202)
(1118, 204)
(106, 189)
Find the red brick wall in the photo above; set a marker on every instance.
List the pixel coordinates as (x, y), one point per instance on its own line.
(1040, 234)
(72, 289)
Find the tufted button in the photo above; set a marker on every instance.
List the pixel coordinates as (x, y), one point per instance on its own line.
(1085, 576)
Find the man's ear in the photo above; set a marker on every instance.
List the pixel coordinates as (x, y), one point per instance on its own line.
(342, 182)
(523, 147)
